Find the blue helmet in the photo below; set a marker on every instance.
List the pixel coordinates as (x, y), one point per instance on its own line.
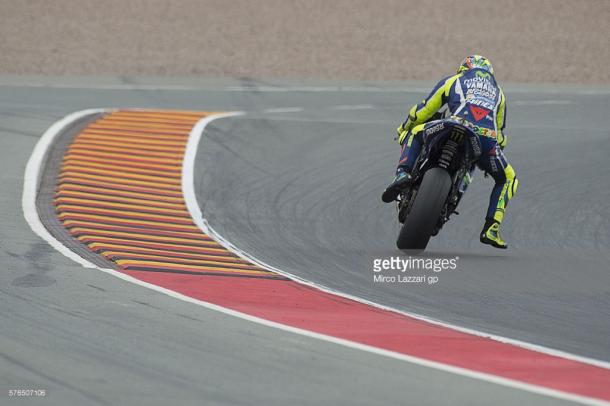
(476, 61)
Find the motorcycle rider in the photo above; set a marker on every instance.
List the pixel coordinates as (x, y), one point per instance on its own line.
(473, 96)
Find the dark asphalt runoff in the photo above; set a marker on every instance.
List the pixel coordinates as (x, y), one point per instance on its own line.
(300, 190)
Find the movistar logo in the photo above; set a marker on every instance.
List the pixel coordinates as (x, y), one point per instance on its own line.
(482, 74)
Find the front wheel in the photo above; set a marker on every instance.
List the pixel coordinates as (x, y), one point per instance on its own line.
(423, 217)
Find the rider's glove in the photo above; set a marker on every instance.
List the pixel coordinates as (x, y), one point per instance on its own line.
(402, 133)
(403, 129)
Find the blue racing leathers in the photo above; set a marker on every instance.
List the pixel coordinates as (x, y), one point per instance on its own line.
(474, 96)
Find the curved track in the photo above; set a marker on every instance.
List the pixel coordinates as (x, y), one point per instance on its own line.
(311, 208)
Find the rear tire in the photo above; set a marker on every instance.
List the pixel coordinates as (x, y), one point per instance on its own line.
(426, 210)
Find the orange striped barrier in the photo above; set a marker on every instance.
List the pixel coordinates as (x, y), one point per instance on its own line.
(120, 193)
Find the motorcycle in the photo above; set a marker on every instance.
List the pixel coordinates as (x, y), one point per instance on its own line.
(440, 178)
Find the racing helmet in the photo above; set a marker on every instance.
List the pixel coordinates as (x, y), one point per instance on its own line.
(476, 61)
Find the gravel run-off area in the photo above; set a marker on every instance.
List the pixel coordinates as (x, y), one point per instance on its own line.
(554, 41)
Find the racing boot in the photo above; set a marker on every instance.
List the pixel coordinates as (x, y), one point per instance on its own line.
(491, 234)
(401, 181)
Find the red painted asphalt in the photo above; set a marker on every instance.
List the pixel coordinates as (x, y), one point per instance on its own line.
(297, 305)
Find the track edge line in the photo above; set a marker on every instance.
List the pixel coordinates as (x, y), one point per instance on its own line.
(31, 181)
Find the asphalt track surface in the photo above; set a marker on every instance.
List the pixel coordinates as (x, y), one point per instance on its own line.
(300, 190)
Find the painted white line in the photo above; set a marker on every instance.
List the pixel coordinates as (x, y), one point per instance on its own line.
(29, 206)
(352, 107)
(188, 166)
(540, 102)
(32, 177)
(283, 110)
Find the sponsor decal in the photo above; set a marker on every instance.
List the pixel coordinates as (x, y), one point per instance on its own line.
(435, 128)
(482, 102)
(474, 143)
(478, 112)
(486, 132)
(481, 87)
